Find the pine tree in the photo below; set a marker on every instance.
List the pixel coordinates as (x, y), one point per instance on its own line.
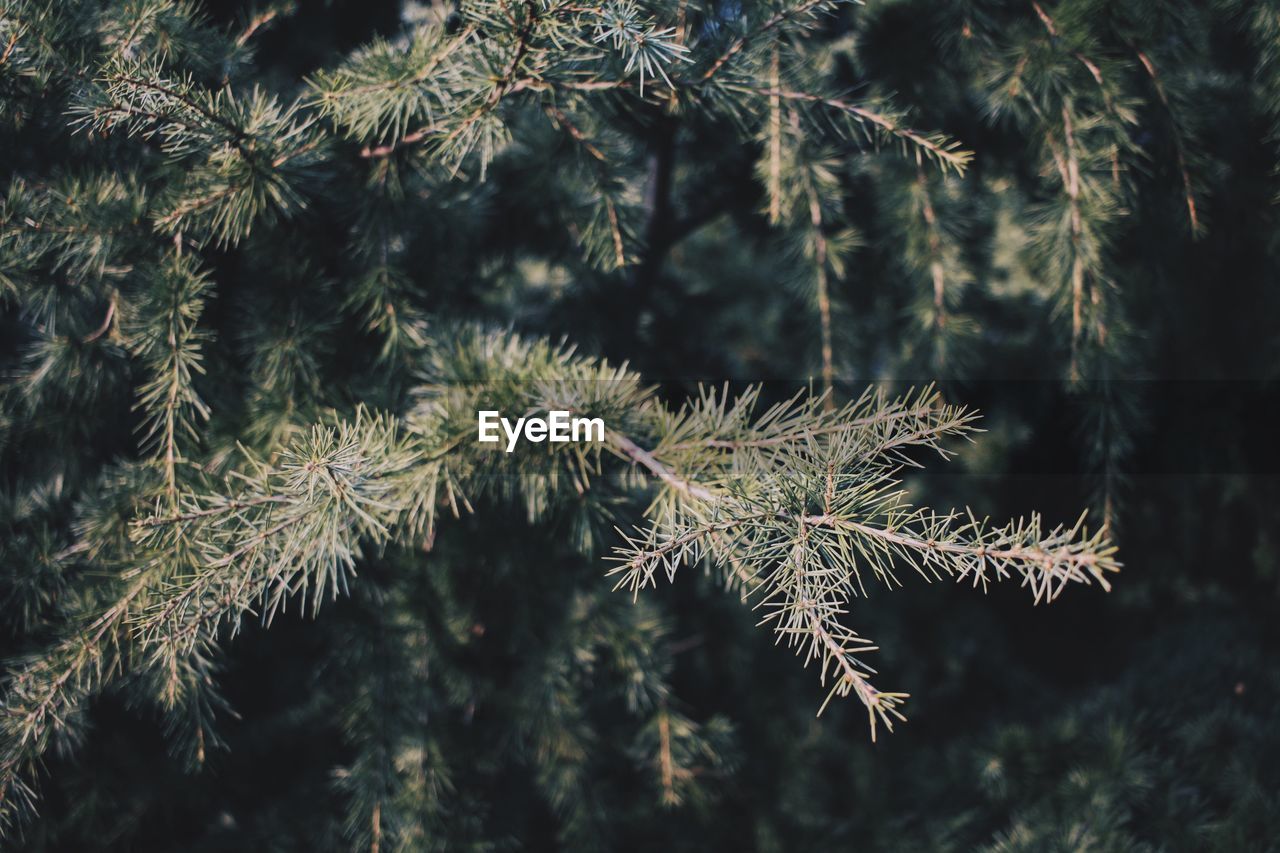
(255, 294)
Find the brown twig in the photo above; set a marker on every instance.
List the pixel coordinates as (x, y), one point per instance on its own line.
(386, 150)
(741, 42)
(1179, 145)
(106, 321)
(260, 20)
(956, 158)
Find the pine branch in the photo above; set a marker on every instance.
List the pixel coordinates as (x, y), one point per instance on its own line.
(946, 153)
(165, 337)
(294, 530)
(802, 13)
(1179, 144)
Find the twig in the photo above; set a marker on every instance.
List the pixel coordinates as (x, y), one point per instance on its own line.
(106, 321)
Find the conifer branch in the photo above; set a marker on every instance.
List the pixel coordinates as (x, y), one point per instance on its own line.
(261, 20)
(934, 244)
(1179, 144)
(948, 154)
(774, 183)
(824, 294)
(293, 530)
(165, 337)
(800, 12)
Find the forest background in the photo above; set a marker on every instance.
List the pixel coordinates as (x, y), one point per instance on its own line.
(1063, 215)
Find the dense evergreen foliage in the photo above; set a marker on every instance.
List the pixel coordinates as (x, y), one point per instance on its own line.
(261, 265)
